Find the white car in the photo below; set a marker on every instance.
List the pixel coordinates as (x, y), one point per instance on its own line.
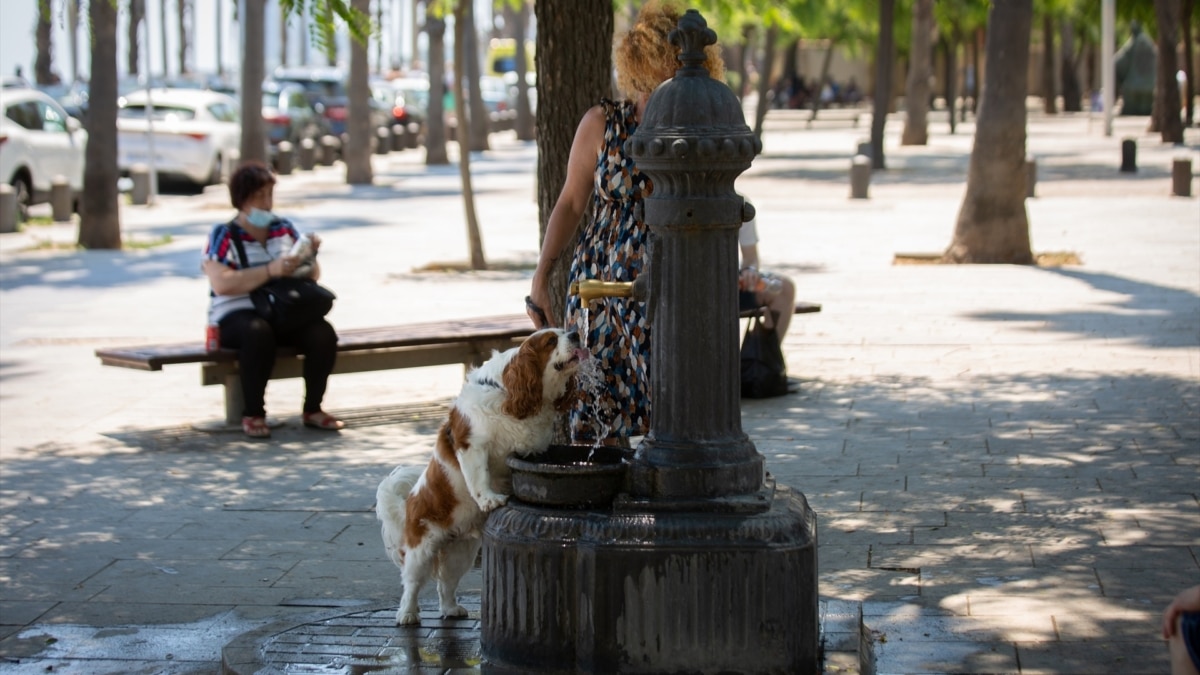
(194, 133)
(38, 141)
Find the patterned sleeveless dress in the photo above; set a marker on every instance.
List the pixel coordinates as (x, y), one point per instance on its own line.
(612, 247)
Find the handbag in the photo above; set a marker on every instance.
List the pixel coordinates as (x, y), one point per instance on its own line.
(287, 303)
(764, 373)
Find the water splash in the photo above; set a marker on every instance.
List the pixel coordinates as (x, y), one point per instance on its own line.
(590, 379)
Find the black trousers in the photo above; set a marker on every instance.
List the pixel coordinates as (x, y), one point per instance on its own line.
(256, 341)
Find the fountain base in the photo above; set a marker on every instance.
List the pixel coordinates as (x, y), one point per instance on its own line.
(639, 590)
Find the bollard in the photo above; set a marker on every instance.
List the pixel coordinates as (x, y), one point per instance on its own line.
(398, 141)
(285, 158)
(383, 140)
(60, 199)
(1129, 155)
(864, 148)
(8, 208)
(860, 176)
(329, 148)
(140, 175)
(414, 134)
(1181, 177)
(308, 154)
(1030, 176)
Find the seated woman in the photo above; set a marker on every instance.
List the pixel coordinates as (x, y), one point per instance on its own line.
(266, 240)
(756, 288)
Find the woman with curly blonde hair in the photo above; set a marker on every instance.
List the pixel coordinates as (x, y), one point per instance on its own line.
(612, 244)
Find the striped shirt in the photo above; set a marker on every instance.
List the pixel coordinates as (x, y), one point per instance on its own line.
(281, 235)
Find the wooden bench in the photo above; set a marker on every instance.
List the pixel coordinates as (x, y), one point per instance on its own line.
(434, 343)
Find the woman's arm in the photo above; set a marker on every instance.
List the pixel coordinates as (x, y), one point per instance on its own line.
(227, 281)
(572, 201)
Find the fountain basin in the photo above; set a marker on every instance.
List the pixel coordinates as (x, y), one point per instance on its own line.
(569, 476)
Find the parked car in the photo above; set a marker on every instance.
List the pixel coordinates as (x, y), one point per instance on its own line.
(288, 115)
(326, 90)
(38, 141)
(194, 132)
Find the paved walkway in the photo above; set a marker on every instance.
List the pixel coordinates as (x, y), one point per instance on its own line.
(1003, 459)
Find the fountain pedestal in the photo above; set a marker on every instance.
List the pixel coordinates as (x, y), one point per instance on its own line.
(701, 564)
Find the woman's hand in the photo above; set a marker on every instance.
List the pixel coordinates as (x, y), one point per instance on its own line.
(748, 278)
(316, 243)
(1187, 601)
(284, 266)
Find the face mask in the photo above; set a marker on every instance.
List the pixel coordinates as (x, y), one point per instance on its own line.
(259, 218)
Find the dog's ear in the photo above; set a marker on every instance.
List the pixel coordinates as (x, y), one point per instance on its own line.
(570, 395)
(523, 382)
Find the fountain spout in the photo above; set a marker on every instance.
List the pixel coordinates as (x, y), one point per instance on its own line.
(594, 289)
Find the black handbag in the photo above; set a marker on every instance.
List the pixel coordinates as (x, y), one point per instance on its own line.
(287, 303)
(764, 373)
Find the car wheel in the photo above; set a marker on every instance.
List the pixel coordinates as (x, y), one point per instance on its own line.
(217, 175)
(23, 192)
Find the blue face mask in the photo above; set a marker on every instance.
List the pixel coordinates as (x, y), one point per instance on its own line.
(259, 218)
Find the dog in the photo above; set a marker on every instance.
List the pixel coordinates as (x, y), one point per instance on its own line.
(432, 517)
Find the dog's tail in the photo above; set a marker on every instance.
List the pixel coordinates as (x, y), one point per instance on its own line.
(389, 508)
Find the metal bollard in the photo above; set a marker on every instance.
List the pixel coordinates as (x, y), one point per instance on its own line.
(329, 150)
(1030, 176)
(8, 208)
(60, 199)
(383, 140)
(285, 158)
(308, 154)
(864, 148)
(398, 142)
(1181, 177)
(860, 176)
(414, 134)
(140, 175)
(1129, 155)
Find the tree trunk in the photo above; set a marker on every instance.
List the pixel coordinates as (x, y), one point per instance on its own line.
(993, 225)
(100, 210)
(479, 120)
(73, 37)
(1049, 95)
(1072, 92)
(525, 123)
(254, 136)
(745, 53)
(574, 53)
(1188, 62)
(162, 26)
(283, 38)
(435, 123)
(815, 95)
(920, 70)
(884, 54)
(359, 132)
(42, 73)
(184, 15)
(791, 54)
(950, 49)
(1166, 96)
(463, 27)
(137, 14)
(764, 80)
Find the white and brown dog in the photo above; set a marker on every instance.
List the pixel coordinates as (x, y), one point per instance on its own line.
(432, 516)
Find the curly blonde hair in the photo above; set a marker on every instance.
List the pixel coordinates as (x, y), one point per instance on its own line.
(645, 57)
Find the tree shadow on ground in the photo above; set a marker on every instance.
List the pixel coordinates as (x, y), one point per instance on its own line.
(1147, 314)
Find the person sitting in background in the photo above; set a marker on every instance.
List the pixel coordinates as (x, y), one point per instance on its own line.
(757, 288)
(266, 241)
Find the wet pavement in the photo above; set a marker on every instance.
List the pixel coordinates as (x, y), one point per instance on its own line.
(1002, 459)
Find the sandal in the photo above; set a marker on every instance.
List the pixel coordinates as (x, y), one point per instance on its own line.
(256, 427)
(322, 420)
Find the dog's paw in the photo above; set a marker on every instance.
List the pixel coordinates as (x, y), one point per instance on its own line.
(410, 618)
(454, 612)
(491, 502)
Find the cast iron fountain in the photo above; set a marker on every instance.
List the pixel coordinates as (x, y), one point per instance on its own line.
(700, 563)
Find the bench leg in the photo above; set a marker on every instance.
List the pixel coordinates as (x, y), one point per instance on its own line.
(234, 401)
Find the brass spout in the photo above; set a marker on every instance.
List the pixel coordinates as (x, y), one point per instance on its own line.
(591, 289)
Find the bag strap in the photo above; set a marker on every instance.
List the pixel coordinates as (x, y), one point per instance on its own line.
(236, 234)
